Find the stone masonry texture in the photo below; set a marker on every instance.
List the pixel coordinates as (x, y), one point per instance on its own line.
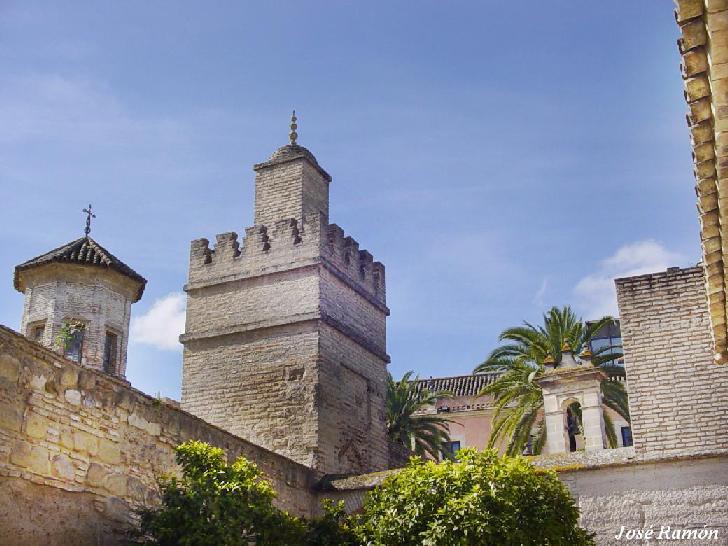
(285, 336)
(678, 397)
(80, 450)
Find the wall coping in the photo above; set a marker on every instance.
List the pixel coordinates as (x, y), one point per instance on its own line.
(561, 463)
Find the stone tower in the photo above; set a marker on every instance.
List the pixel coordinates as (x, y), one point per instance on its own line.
(78, 300)
(285, 340)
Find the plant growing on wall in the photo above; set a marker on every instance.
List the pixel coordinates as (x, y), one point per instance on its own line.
(67, 334)
(478, 499)
(520, 361)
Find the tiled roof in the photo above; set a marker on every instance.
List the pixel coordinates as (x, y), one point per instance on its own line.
(704, 54)
(84, 251)
(460, 385)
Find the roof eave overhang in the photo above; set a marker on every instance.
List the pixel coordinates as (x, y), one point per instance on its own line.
(139, 282)
(703, 48)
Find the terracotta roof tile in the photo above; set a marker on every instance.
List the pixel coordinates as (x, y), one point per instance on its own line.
(460, 385)
(84, 251)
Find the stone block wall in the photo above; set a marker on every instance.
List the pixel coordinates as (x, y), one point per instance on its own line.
(678, 397)
(79, 450)
(352, 419)
(259, 385)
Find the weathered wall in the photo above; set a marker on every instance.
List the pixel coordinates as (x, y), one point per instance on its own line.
(80, 449)
(684, 494)
(352, 420)
(678, 397)
(259, 385)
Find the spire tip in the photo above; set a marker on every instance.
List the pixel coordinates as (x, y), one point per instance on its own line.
(293, 135)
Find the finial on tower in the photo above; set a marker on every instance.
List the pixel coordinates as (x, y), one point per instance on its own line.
(293, 135)
(89, 215)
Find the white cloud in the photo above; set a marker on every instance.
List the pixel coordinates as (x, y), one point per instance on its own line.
(595, 294)
(162, 325)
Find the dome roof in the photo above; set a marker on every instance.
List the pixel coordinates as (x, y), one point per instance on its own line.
(83, 251)
(290, 152)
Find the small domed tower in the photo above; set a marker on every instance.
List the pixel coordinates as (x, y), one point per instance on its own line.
(78, 301)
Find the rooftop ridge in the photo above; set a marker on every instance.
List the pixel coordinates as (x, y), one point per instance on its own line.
(457, 385)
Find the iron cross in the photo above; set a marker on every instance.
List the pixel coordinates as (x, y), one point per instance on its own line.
(89, 215)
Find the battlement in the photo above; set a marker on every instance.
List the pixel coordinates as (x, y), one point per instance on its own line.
(287, 243)
(343, 253)
(263, 248)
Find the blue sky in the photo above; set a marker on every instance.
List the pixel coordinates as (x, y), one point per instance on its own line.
(498, 157)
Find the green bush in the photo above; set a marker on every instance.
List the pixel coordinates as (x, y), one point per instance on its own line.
(480, 499)
(217, 504)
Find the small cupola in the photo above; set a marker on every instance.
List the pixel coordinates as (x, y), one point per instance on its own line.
(78, 301)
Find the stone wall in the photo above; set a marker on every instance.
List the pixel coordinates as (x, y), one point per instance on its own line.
(678, 397)
(679, 494)
(259, 385)
(80, 449)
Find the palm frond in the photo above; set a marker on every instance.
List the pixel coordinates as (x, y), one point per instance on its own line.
(517, 398)
(609, 430)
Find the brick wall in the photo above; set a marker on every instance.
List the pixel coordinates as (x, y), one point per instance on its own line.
(79, 450)
(678, 397)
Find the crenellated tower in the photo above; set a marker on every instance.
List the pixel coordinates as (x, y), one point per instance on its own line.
(285, 337)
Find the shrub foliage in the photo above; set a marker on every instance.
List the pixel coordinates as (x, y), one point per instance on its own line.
(478, 499)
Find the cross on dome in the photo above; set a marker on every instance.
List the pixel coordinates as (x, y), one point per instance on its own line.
(89, 215)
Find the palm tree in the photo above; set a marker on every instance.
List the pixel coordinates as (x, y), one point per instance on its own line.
(520, 361)
(408, 426)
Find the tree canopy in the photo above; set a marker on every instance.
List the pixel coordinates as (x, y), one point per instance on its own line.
(478, 499)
